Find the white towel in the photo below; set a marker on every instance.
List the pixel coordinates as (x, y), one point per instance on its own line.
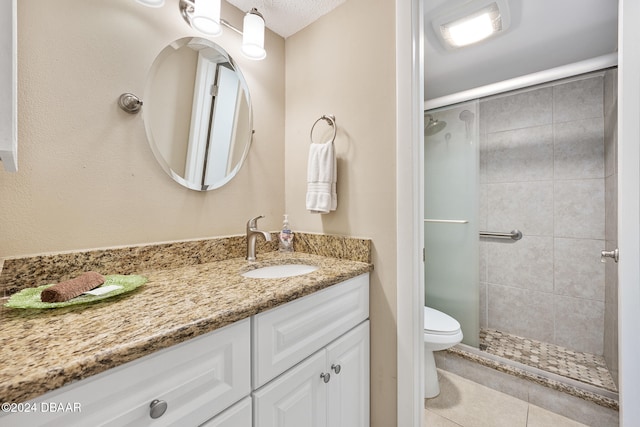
(321, 179)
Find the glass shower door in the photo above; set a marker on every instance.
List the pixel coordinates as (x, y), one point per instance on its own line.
(451, 215)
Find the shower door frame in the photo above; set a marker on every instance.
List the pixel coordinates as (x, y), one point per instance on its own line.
(629, 210)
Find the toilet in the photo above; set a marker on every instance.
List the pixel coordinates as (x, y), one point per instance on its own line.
(441, 331)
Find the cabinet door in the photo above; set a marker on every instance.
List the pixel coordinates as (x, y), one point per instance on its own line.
(348, 390)
(298, 398)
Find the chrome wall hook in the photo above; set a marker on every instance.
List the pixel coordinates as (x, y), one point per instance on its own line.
(130, 103)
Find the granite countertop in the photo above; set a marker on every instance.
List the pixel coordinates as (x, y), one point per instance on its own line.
(42, 350)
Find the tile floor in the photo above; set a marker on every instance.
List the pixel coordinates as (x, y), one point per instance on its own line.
(464, 403)
(587, 368)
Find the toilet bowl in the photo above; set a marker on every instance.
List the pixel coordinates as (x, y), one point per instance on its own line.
(441, 331)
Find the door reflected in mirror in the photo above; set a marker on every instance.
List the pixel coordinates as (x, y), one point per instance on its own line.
(197, 113)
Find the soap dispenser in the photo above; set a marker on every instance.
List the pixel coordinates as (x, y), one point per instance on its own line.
(286, 236)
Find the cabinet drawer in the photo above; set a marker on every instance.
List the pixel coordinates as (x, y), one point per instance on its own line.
(288, 334)
(239, 415)
(198, 379)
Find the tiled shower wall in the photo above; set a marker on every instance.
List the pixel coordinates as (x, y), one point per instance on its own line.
(611, 220)
(542, 171)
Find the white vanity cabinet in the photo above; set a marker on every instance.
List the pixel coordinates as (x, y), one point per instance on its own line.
(302, 364)
(194, 381)
(319, 347)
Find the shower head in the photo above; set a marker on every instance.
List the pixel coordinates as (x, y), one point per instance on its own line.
(466, 116)
(434, 126)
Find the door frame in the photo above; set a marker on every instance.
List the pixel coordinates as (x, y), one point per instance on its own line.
(409, 211)
(629, 210)
(409, 70)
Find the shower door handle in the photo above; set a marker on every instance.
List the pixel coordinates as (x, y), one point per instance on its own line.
(448, 221)
(614, 254)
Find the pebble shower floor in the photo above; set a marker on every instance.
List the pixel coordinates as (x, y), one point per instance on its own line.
(587, 368)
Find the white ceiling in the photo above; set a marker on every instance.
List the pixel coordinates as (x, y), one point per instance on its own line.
(544, 34)
(286, 17)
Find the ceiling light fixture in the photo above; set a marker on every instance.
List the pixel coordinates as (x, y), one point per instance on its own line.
(204, 16)
(472, 22)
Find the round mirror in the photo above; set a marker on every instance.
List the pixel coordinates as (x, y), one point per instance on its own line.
(197, 113)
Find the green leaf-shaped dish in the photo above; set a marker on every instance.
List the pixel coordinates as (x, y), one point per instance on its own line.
(30, 297)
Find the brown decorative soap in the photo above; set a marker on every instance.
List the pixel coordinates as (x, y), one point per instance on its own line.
(68, 289)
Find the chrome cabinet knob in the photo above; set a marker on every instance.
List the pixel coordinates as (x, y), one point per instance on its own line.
(157, 408)
(325, 377)
(614, 254)
(336, 368)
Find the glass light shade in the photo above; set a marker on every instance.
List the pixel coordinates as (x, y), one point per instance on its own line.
(474, 27)
(253, 36)
(151, 3)
(206, 17)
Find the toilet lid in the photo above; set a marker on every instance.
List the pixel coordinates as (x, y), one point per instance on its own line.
(439, 322)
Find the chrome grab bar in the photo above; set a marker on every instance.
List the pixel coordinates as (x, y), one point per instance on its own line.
(514, 235)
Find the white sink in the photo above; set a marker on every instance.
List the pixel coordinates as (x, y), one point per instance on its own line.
(279, 271)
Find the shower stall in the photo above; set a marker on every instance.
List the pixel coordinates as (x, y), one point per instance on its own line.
(520, 202)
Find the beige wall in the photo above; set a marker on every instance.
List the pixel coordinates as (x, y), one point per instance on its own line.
(344, 64)
(87, 177)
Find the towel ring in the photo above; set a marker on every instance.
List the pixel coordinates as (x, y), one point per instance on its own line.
(331, 120)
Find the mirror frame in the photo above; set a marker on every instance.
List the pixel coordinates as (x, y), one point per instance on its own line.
(167, 50)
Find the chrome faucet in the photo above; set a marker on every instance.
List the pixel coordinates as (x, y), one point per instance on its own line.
(252, 235)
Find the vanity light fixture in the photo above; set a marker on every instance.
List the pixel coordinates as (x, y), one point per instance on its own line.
(204, 16)
(472, 22)
(253, 36)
